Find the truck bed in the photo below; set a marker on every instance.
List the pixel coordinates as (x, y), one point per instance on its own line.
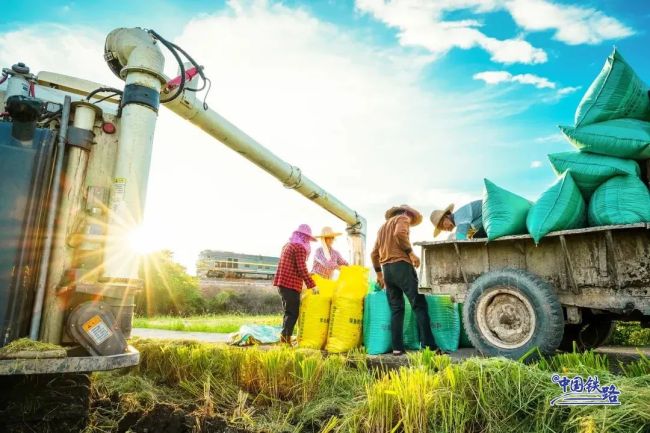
(606, 268)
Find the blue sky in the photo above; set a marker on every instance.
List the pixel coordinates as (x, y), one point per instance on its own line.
(379, 101)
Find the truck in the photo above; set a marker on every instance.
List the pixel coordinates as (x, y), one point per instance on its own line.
(74, 165)
(521, 299)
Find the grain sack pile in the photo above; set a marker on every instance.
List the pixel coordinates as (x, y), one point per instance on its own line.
(599, 184)
(313, 320)
(376, 323)
(346, 314)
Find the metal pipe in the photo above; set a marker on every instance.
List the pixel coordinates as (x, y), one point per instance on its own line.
(131, 52)
(70, 207)
(51, 219)
(188, 107)
(141, 63)
(129, 189)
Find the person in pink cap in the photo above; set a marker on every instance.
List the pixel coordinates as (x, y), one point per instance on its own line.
(291, 274)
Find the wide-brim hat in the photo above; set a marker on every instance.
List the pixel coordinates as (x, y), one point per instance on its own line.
(305, 230)
(416, 216)
(436, 217)
(328, 232)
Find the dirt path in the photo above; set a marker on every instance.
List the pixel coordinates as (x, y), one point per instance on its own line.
(615, 353)
(162, 334)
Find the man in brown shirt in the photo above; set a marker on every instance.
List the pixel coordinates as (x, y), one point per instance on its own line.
(394, 262)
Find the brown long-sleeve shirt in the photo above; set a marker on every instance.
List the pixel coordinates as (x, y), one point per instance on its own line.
(392, 244)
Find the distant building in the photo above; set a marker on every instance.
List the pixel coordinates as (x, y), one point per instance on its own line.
(226, 264)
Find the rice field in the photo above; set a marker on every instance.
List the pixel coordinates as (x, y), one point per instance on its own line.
(194, 387)
(222, 324)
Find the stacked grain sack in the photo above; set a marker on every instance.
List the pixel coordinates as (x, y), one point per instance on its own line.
(314, 316)
(331, 319)
(600, 183)
(612, 130)
(346, 314)
(377, 337)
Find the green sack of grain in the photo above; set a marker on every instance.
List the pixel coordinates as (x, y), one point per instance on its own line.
(622, 138)
(504, 213)
(589, 171)
(560, 207)
(620, 200)
(445, 322)
(376, 322)
(410, 333)
(464, 339)
(616, 93)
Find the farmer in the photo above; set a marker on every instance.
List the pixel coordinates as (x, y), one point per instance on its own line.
(467, 220)
(326, 258)
(291, 274)
(394, 263)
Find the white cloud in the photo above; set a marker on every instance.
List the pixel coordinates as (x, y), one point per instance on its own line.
(535, 164)
(33, 46)
(568, 90)
(421, 24)
(572, 24)
(551, 138)
(497, 77)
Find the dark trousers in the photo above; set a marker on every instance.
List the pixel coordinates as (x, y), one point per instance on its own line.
(291, 306)
(401, 279)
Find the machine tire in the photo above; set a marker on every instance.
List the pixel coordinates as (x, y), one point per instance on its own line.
(590, 334)
(510, 312)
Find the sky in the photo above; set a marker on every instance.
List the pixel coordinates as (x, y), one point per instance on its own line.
(380, 102)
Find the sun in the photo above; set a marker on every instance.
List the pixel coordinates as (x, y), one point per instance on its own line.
(143, 241)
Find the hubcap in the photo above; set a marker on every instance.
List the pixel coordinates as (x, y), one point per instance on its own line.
(505, 317)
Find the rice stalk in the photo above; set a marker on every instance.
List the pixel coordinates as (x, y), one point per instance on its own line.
(640, 367)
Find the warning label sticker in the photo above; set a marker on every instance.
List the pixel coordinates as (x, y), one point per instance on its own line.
(118, 191)
(97, 330)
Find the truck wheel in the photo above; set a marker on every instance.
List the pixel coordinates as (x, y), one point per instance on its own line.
(509, 312)
(590, 334)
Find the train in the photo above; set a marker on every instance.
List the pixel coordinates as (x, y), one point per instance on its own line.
(231, 265)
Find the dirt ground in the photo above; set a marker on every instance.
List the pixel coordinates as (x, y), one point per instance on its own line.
(161, 418)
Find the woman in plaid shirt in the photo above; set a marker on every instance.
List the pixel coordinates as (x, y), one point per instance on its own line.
(291, 274)
(326, 258)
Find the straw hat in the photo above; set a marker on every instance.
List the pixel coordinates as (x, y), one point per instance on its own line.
(327, 232)
(436, 217)
(416, 216)
(305, 230)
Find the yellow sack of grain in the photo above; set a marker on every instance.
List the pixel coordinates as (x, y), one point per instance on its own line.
(314, 316)
(346, 316)
(352, 282)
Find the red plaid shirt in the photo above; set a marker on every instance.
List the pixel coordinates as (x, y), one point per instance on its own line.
(292, 268)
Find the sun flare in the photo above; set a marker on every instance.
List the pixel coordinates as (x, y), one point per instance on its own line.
(143, 241)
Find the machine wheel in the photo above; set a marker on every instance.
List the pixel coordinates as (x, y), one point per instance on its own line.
(510, 311)
(590, 334)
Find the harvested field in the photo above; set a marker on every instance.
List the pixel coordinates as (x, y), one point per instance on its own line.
(194, 387)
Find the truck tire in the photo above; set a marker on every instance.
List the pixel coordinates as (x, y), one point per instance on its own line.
(590, 334)
(511, 312)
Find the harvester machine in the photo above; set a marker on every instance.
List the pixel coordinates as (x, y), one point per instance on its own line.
(74, 165)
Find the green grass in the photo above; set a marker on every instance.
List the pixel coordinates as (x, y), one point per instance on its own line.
(630, 334)
(222, 324)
